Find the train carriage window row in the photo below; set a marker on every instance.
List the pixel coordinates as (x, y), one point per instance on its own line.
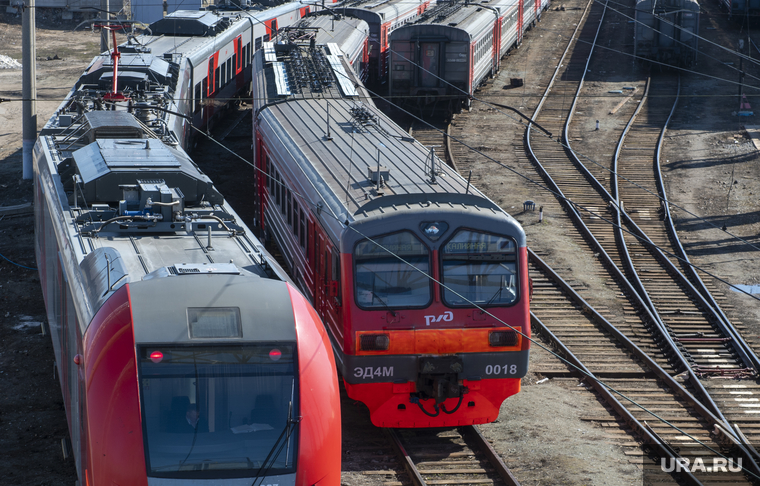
(221, 75)
(287, 203)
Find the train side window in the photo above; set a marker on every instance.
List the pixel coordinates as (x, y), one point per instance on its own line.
(290, 209)
(216, 79)
(224, 74)
(303, 234)
(258, 43)
(270, 180)
(197, 96)
(278, 188)
(335, 265)
(295, 218)
(229, 68)
(204, 85)
(285, 199)
(266, 38)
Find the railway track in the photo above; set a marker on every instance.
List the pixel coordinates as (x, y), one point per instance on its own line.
(417, 457)
(596, 346)
(712, 344)
(593, 210)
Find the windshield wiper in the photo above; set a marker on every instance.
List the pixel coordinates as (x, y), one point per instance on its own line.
(498, 292)
(290, 425)
(385, 304)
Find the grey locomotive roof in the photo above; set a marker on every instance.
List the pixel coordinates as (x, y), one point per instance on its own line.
(138, 208)
(468, 17)
(362, 138)
(344, 31)
(263, 308)
(385, 9)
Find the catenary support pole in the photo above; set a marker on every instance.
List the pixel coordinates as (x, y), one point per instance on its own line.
(29, 88)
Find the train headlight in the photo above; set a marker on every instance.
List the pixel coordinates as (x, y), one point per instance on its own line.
(375, 342)
(502, 338)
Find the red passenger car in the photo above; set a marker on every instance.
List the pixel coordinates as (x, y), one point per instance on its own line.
(420, 279)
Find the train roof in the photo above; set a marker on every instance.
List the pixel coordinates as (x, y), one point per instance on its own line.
(131, 205)
(344, 31)
(384, 9)
(469, 17)
(341, 168)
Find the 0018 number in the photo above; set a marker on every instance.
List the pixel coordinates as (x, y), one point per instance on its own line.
(498, 369)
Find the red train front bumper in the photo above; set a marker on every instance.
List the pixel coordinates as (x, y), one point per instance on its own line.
(390, 405)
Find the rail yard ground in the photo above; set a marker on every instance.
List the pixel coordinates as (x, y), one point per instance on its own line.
(555, 431)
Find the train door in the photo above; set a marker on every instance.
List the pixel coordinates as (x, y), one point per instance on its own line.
(520, 29)
(496, 45)
(429, 56)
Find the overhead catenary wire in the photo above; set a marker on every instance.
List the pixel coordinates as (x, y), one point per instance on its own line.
(585, 158)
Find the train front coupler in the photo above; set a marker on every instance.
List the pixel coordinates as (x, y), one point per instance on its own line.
(438, 380)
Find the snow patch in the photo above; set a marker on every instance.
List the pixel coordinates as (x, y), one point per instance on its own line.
(7, 62)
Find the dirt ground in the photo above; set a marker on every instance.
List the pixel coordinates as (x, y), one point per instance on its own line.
(541, 433)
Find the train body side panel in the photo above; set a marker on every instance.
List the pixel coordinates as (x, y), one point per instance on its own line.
(319, 452)
(116, 453)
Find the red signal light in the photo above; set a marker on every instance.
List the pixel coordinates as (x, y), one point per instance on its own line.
(156, 356)
(275, 354)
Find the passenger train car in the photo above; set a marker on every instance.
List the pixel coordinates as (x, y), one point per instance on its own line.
(210, 50)
(184, 353)
(347, 34)
(394, 249)
(383, 17)
(667, 32)
(451, 49)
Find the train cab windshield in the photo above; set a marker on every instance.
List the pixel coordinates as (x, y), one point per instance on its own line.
(218, 411)
(479, 268)
(383, 280)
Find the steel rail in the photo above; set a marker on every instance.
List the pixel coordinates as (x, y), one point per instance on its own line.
(473, 433)
(411, 469)
(648, 438)
(473, 438)
(640, 354)
(634, 294)
(750, 356)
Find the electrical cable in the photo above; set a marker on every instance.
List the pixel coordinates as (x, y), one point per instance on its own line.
(14, 263)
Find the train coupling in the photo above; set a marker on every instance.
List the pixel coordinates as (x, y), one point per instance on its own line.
(439, 378)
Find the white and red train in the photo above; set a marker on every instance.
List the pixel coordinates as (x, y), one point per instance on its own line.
(383, 17)
(184, 353)
(451, 49)
(397, 252)
(211, 52)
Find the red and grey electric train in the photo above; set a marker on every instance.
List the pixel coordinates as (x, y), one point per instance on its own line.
(451, 49)
(383, 17)
(397, 252)
(184, 353)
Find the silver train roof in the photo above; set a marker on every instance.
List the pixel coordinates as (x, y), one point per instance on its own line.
(291, 113)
